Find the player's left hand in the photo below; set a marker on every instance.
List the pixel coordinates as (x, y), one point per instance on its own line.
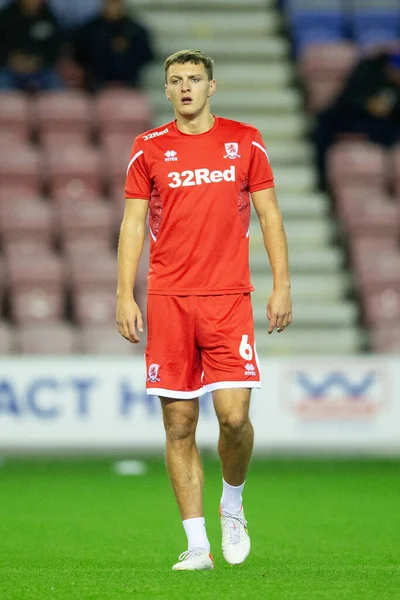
(279, 309)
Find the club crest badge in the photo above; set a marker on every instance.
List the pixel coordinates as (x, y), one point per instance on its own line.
(153, 373)
(231, 149)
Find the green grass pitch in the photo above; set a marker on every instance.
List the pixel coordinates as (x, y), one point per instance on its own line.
(75, 530)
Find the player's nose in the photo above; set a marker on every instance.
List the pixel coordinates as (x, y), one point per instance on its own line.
(185, 86)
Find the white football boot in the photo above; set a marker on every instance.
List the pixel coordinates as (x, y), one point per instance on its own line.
(197, 559)
(235, 537)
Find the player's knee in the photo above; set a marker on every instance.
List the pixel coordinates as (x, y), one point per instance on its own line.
(234, 424)
(180, 429)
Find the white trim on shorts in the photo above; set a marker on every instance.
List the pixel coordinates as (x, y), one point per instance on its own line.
(175, 394)
(211, 387)
(226, 385)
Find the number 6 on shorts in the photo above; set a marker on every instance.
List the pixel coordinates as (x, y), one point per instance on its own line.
(245, 350)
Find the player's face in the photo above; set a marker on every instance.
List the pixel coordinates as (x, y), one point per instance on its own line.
(189, 88)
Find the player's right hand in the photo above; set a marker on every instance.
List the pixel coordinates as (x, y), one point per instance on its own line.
(129, 319)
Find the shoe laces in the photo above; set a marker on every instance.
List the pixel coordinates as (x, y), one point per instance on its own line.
(191, 553)
(234, 522)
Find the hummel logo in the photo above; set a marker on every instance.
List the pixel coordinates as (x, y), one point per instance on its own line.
(170, 155)
(249, 369)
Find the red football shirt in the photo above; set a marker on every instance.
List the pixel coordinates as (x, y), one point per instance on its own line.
(198, 187)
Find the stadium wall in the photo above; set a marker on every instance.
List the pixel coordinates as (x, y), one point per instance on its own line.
(319, 405)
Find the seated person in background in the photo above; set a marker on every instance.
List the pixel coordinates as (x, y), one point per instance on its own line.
(369, 104)
(30, 45)
(74, 13)
(112, 48)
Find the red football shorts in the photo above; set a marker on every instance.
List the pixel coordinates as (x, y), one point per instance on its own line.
(198, 344)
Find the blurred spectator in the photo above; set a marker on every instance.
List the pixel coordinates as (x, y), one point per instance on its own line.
(369, 105)
(70, 13)
(113, 48)
(74, 13)
(30, 44)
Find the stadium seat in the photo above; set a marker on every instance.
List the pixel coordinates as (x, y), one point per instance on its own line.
(123, 110)
(3, 281)
(52, 140)
(14, 115)
(372, 25)
(7, 343)
(86, 220)
(65, 111)
(382, 304)
(105, 339)
(37, 287)
(81, 248)
(379, 270)
(361, 246)
(323, 69)
(20, 166)
(74, 170)
(376, 216)
(362, 162)
(95, 305)
(386, 338)
(311, 21)
(396, 169)
(330, 61)
(118, 201)
(48, 338)
(28, 222)
(116, 151)
(86, 273)
(9, 193)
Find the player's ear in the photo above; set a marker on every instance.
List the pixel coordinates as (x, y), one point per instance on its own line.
(167, 94)
(212, 88)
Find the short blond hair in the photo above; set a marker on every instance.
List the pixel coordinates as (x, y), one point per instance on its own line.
(193, 56)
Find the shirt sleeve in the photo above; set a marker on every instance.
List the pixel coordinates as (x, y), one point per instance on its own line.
(261, 176)
(138, 182)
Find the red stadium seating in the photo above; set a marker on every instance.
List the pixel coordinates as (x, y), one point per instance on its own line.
(86, 273)
(323, 69)
(3, 280)
(37, 287)
(321, 92)
(386, 338)
(20, 166)
(379, 270)
(382, 305)
(123, 110)
(27, 222)
(82, 248)
(14, 115)
(63, 112)
(87, 220)
(396, 169)
(105, 339)
(362, 246)
(375, 217)
(118, 203)
(74, 170)
(49, 339)
(9, 193)
(95, 306)
(52, 140)
(360, 163)
(7, 344)
(116, 151)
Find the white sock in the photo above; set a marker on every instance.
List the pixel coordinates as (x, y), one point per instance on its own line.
(196, 533)
(231, 500)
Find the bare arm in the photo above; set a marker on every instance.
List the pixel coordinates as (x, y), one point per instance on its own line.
(279, 309)
(130, 249)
